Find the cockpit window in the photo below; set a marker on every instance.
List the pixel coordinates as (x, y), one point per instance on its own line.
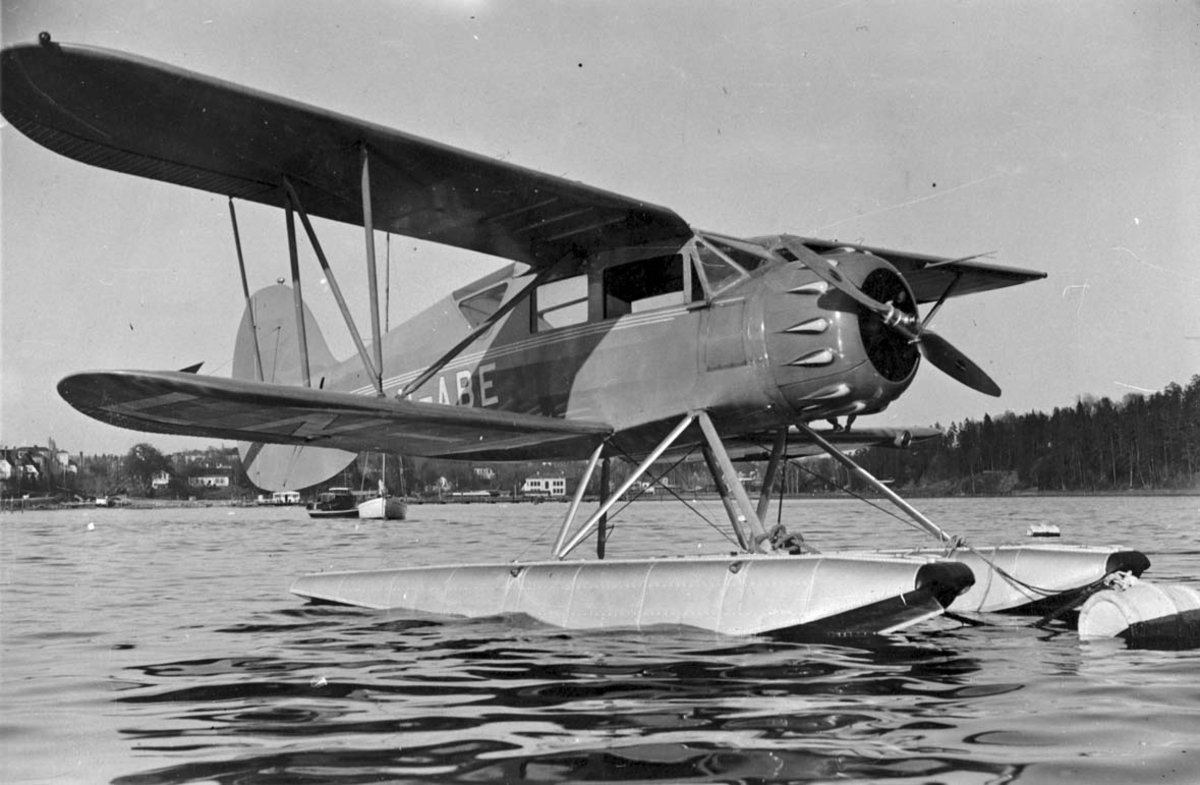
(744, 258)
(561, 303)
(643, 285)
(478, 307)
(719, 271)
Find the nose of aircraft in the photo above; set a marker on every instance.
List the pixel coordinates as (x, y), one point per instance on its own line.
(829, 355)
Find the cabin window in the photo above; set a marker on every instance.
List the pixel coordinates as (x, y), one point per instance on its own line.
(747, 260)
(643, 285)
(718, 270)
(561, 303)
(478, 307)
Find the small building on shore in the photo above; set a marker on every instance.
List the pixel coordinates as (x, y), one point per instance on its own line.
(209, 481)
(545, 486)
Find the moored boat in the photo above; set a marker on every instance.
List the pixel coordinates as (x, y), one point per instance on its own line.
(390, 508)
(334, 503)
(383, 507)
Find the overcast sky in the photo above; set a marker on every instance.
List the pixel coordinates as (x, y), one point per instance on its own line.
(1063, 136)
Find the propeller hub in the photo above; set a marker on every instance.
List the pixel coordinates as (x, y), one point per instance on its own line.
(889, 338)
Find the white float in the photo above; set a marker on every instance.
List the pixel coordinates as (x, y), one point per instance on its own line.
(1143, 612)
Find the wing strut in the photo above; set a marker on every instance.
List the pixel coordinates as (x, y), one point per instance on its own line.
(372, 278)
(237, 242)
(297, 295)
(294, 201)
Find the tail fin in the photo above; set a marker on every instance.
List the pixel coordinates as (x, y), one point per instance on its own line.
(279, 467)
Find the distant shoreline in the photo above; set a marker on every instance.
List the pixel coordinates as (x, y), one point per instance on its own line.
(19, 505)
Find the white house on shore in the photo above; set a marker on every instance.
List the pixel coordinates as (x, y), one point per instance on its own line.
(548, 486)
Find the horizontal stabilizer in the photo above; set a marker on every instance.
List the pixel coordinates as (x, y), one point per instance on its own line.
(208, 406)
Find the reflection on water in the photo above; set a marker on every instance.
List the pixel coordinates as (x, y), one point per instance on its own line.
(167, 650)
(361, 698)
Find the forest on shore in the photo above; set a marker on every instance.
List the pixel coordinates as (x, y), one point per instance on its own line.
(1139, 443)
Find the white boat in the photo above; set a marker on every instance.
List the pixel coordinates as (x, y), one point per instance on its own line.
(390, 508)
(383, 507)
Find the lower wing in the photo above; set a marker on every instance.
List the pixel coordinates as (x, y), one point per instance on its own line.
(845, 439)
(208, 406)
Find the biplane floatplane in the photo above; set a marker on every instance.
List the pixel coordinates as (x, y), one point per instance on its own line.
(617, 330)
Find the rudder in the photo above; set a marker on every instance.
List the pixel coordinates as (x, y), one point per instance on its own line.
(280, 467)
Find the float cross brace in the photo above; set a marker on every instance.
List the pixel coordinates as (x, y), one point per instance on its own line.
(747, 525)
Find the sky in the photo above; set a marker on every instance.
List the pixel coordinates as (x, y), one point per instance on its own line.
(1062, 137)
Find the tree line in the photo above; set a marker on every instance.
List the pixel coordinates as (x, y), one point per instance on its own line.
(1139, 443)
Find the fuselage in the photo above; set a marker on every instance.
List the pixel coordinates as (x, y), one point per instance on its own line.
(639, 339)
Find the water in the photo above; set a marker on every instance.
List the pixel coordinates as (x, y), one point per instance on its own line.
(164, 647)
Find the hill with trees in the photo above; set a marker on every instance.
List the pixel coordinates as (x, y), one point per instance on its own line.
(1140, 443)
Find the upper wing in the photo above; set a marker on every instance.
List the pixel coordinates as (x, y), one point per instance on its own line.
(184, 403)
(150, 119)
(929, 276)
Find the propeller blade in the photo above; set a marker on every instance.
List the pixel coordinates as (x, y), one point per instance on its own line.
(940, 352)
(955, 364)
(828, 272)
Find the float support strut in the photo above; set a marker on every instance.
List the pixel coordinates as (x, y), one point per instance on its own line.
(634, 476)
(868, 478)
(777, 455)
(746, 524)
(731, 510)
(578, 497)
(602, 525)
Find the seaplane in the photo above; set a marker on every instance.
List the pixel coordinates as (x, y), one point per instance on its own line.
(614, 330)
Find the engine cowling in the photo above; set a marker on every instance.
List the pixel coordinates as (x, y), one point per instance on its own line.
(830, 356)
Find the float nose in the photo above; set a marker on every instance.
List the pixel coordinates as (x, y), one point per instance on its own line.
(946, 580)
